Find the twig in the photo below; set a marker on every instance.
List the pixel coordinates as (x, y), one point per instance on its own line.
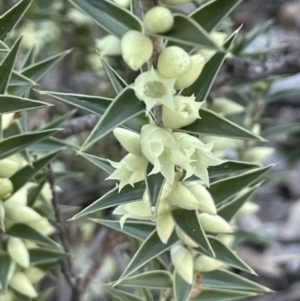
(66, 265)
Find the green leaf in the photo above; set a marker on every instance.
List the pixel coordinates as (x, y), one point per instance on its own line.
(210, 15)
(11, 104)
(7, 66)
(40, 255)
(150, 248)
(11, 18)
(35, 192)
(58, 121)
(124, 107)
(5, 262)
(20, 296)
(29, 58)
(275, 131)
(121, 296)
(26, 232)
(280, 95)
(152, 279)
(188, 222)
(18, 79)
(116, 80)
(187, 31)
(113, 198)
(230, 167)
(215, 125)
(201, 87)
(223, 279)
(99, 162)
(113, 18)
(222, 295)
(52, 144)
(230, 209)
(220, 192)
(182, 289)
(17, 143)
(24, 175)
(227, 256)
(139, 230)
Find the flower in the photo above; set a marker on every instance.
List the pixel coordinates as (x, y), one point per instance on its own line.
(154, 90)
(7, 120)
(214, 223)
(224, 106)
(204, 263)
(109, 45)
(129, 170)
(6, 188)
(186, 111)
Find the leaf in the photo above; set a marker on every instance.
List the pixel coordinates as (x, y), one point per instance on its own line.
(35, 192)
(121, 296)
(52, 144)
(114, 198)
(139, 230)
(230, 209)
(201, 87)
(150, 248)
(154, 184)
(223, 279)
(222, 295)
(152, 279)
(17, 143)
(116, 80)
(24, 175)
(11, 18)
(188, 222)
(230, 167)
(40, 255)
(18, 79)
(5, 262)
(210, 15)
(12, 104)
(99, 162)
(182, 289)
(187, 31)
(275, 131)
(58, 121)
(215, 125)
(7, 66)
(113, 18)
(29, 58)
(281, 95)
(124, 107)
(26, 232)
(220, 192)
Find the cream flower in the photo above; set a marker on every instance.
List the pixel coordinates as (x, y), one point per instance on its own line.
(154, 90)
(129, 170)
(7, 120)
(109, 45)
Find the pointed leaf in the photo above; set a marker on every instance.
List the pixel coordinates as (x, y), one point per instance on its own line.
(280, 95)
(215, 125)
(139, 230)
(152, 279)
(40, 255)
(220, 192)
(275, 131)
(150, 248)
(188, 32)
(5, 262)
(201, 87)
(18, 79)
(188, 222)
(182, 289)
(116, 80)
(12, 104)
(30, 57)
(24, 175)
(113, 198)
(17, 143)
(34, 193)
(58, 121)
(121, 296)
(11, 18)
(26, 232)
(99, 162)
(124, 107)
(52, 144)
(223, 279)
(210, 15)
(113, 18)
(222, 295)
(7, 66)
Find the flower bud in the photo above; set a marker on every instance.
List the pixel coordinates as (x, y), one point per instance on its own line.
(9, 296)
(34, 274)
(6, 188)
(42, 225)
(123, 3)
(2, 216)
(224, 106)
(20, 214)
(21, 284)
(204, 263)
(109, 45)
(20, 197)
(18, 251)
(186, 111)
(173, 62)
(258, 154)
(198, 62)
(158, 19)
(136, 49)
(7, 120)
(129, 140)
(165, 226)
(182, 260)
(185, 238)
(214, 223)
(78, 18)
(8, 167)
(247, 208)
(174, 2)
(226, 239)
